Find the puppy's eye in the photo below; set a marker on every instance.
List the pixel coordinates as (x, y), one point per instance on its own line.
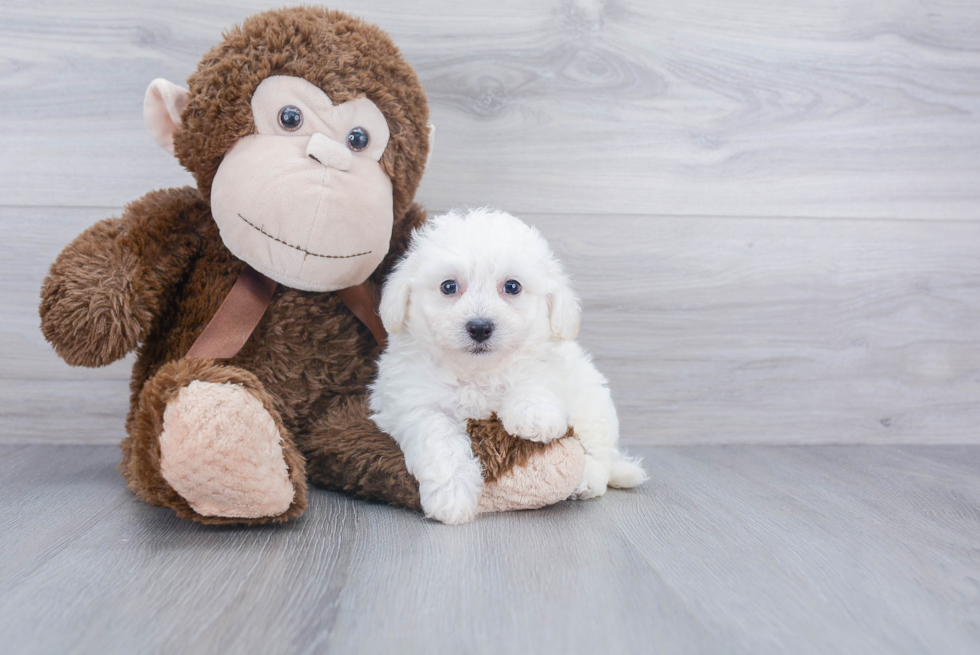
(290, 118)
(512, 287)
(449, 287)
(358, 139)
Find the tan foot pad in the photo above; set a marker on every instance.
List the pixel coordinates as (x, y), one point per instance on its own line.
(547, 479)
(220, 449)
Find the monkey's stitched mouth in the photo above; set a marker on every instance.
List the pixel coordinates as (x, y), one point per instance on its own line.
(303, 250)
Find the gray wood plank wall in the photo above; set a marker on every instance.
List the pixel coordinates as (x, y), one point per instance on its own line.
(771, 209)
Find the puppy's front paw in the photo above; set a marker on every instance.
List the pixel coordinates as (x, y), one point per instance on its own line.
(453, 500)
(595, 479)
(535, 421)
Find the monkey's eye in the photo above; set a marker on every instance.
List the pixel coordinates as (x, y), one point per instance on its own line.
(290, 118)
(358, 139)
(449, 287)
(513, 287)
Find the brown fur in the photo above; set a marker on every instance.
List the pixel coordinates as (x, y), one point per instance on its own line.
(374, 469)
(498, 451)
(339, 53)
(154, 277)
(101, 298)
(141, 451)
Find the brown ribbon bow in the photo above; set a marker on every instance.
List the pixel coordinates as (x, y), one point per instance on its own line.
(248, 300)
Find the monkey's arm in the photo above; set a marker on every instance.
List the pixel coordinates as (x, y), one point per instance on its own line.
(346, 451)
(107, 286)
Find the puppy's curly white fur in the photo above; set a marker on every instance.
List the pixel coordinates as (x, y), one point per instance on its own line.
(482, 319)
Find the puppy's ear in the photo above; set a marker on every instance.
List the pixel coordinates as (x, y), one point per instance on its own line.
(395, 299)
(564, 310)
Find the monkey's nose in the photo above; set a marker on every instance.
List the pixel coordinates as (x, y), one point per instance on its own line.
(328, 152)
(480, 329)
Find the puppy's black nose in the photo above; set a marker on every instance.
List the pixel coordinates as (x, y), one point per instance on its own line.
(479, 329)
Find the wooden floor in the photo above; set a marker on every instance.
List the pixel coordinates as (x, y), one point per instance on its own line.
(729, 549)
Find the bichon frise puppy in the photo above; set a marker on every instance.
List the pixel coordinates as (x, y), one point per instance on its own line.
(482, 319)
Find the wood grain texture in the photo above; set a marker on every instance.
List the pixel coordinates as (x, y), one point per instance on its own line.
(727, 183)
(752, 108)
(713, 327)
(42, 399)
(727, 550)
(711, 330)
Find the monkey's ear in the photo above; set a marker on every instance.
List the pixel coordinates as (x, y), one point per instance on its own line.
(564, 311)
(395, 299)
(162, 105)
(432, 143)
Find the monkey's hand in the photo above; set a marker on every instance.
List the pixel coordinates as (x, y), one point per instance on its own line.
(91, 311)
(107, 286)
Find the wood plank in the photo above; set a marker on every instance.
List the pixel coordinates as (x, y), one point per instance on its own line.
(42, 399)
(781, 330)
(690, 108)
(749, 549)
(710, 330)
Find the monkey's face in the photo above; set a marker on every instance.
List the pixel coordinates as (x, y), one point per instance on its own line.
(305, 200)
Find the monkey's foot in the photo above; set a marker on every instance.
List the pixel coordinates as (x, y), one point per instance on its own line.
(550, 476)
(221, 451)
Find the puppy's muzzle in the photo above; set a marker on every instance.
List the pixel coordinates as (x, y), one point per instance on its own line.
(479, 329)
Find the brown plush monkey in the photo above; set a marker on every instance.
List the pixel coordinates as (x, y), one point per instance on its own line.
(307, 135)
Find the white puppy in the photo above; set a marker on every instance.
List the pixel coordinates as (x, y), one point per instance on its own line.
(482, 319)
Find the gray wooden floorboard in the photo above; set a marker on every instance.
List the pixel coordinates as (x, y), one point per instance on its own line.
(704, 107)
(729, 549)
(711, 330)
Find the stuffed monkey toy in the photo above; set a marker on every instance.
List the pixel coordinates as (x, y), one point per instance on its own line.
(250, 299)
